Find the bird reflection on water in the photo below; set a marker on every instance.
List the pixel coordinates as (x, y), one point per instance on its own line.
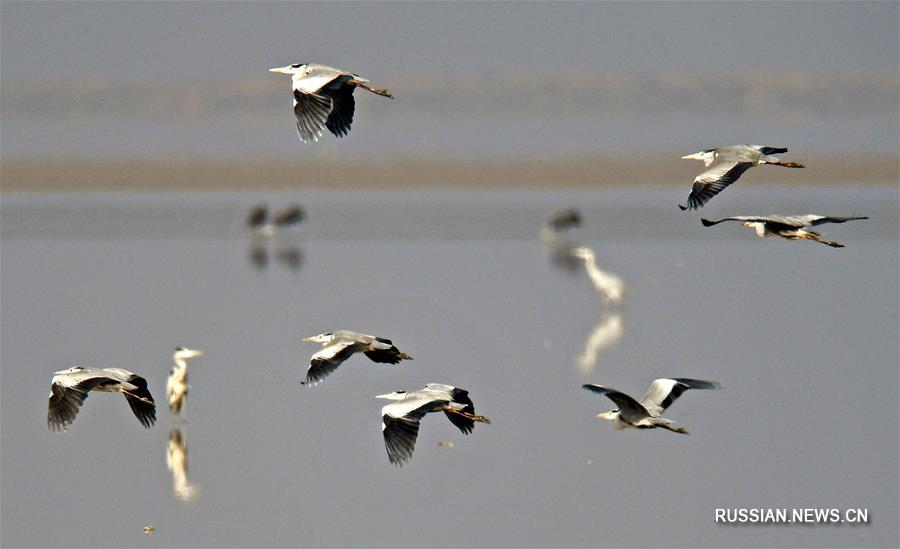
(177, 462)
(609, 329)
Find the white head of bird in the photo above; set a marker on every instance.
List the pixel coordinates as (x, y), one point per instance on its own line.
(396, 395)
(706, 156)
(610, 415)
(321, 338)
(183, 353)
(296, 68)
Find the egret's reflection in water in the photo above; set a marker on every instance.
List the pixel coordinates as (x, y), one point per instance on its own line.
(608, 330)
(176, 461)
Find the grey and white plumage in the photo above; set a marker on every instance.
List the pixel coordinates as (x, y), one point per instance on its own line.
(69, 388)
(323, 98)
(725, 165)
(647, 413)
(610, 286)
(177, 384)
(791, 227)
(400, 419)
(340, 345)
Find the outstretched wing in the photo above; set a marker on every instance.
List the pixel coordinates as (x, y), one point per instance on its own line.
(464, 424)
(711, 182)
(629, 407)
(141, 401)
(65, 401)
(664, 391)
(312, 111)
(814, 220)
(343, 106)
(399, 437)
(328, 359)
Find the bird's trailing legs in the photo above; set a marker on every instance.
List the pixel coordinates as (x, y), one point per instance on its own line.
(384, 92)
(142, 399)
(466, 415)
(787, 164)
(831, 243)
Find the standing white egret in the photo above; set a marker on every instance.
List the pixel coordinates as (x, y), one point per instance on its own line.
(647, 414)
(323, 98)
(177, 385)
(341, 345)
(611, 288)
(69, 388)
(400, 419)
(790, 227)
(725, 165)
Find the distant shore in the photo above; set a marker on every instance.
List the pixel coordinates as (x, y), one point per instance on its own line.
(44, 175)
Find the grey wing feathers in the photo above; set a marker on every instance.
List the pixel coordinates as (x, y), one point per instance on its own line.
(625, 402)
(713, 181)
(142, 402)
(663, 392)
(312, 111)
(64, 404)
(328, 359)
(399, 438)
(820, 219)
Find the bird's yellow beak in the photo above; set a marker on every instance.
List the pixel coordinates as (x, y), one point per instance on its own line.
(282, 70)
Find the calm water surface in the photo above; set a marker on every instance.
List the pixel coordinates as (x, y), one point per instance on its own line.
(804, 337)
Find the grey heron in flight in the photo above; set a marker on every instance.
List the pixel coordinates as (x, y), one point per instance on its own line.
(647, 413)
(400, 419)
(610, 287)
(340, 345)
(323, 98)
(791, 227)
(177, 385)
(725, 165)
(69, 388)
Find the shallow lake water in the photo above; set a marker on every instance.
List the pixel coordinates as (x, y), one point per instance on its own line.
(803, 336)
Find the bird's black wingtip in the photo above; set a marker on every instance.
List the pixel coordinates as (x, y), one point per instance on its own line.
(682, 207)
(707, 222)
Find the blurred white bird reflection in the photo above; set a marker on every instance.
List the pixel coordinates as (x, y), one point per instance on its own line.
(609, 285)
(176, 461)
(609, 329)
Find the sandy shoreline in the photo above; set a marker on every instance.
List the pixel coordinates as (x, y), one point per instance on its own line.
(18, 175)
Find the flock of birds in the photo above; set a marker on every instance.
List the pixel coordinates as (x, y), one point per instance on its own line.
(323, 100)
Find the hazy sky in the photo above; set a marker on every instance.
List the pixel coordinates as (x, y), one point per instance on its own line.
(53, 39)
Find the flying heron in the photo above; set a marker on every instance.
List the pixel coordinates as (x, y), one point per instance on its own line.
(647, 414)
(400, 419)
(323, 98)
(610, 286)
(791, 227)
(725, 165)
(69, 388)
(177, 384)
(340, 345)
